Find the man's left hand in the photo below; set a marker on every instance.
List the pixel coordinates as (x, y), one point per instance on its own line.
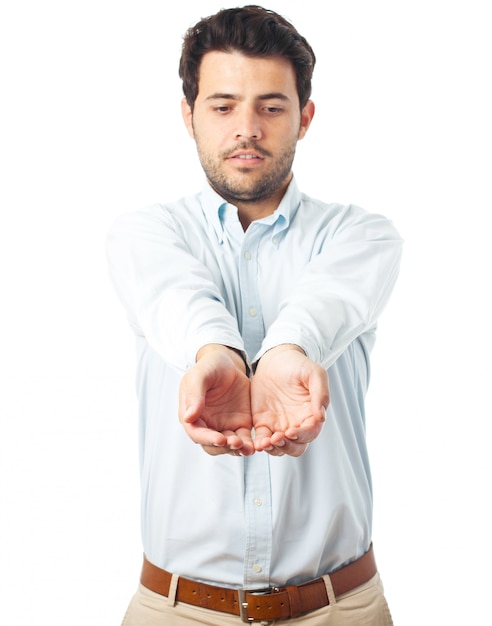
(289, 398)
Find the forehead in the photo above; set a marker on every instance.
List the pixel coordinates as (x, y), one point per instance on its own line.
(234, 72)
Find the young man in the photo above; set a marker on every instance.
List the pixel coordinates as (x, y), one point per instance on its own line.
(245, 299)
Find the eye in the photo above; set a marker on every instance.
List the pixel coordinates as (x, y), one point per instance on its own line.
(273, 110)
(223, 108)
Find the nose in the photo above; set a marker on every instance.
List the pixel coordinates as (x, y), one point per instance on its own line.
(248, 125)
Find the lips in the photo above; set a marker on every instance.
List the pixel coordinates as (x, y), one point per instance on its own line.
(246, 156)
(247, 153)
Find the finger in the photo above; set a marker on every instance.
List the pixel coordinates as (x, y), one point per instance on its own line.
(204, 436)
(237, 444)
(217, 450)
(278, 439)
(221, 450)
(241, 440)
(305, 432)
(273, 451)
(263, 438)
(292, 448)
(277, 445)
(288, 448)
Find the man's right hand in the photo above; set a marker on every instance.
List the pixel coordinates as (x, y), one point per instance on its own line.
(214, 402)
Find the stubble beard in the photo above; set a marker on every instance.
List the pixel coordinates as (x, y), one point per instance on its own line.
(247, 191)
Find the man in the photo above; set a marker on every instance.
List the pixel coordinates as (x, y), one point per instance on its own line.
(245, 300)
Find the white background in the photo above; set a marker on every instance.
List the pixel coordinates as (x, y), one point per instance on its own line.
(91, 128)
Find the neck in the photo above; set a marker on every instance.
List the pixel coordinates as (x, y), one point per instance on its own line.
(252, 210)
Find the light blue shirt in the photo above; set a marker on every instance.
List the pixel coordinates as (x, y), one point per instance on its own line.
(313, 274)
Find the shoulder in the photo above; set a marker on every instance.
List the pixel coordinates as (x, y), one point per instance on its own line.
(334, 218)
(173, 215)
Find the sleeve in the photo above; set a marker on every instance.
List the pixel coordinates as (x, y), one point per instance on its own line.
(342, 290)
(170, 296)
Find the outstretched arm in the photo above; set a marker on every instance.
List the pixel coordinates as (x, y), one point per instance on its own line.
(340, 292)
(171, 295)
(290, 395)
(214, 402)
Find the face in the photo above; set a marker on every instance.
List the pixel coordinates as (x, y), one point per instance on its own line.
(246, 123)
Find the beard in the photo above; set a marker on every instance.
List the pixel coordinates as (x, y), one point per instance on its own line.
(246, 187)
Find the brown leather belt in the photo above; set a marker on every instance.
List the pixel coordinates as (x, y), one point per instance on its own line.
(262, 605)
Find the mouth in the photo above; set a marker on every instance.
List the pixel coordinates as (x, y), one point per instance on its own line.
(246, 158)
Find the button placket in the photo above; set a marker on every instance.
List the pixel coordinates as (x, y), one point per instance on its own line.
(252, 328)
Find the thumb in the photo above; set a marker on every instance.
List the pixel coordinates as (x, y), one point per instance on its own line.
(319, 391)
(192, 391)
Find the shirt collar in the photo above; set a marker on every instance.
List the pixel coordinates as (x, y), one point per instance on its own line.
(214, 206)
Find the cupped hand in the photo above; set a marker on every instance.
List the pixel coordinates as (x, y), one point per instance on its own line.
(214, 403)
(290, 395)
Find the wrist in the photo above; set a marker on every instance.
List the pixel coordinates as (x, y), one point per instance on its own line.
(235, 354)
(283, 347)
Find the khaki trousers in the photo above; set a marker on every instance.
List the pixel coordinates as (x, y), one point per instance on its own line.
(363, 606)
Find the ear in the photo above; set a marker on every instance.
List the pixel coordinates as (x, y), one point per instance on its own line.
(307, 115)
(187, 114)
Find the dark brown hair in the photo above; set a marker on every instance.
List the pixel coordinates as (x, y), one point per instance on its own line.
(253, 31)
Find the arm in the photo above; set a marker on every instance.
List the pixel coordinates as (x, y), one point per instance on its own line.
(169, 294)
(342, 290)
(338, 296)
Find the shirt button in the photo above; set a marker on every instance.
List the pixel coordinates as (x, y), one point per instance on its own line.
(257, 569)
(253, 312)
(257, 501)
(247, 256)
(275, 240)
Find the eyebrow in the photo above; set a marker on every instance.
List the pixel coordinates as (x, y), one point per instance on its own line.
(230, 96)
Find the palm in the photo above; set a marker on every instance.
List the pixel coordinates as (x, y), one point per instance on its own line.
(277, 406)
(227, 405)
(215, 406)
(289, 397)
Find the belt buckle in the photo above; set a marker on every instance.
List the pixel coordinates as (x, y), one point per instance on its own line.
(243, 603)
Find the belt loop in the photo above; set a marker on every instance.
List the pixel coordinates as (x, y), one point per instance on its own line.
(329, 590)
(173, 588)
(295, 601)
